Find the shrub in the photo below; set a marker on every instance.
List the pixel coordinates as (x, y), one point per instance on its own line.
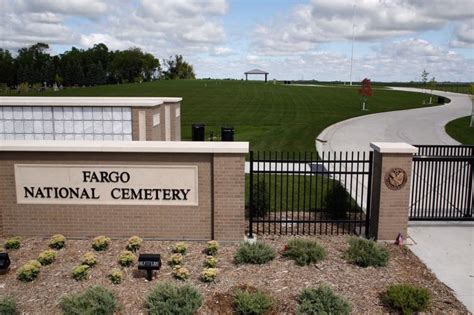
(167, 298)
(8, 306)
(212, 247)
(180, 272)
(211, 262)
(251, 302)
(13, 243)
(304, 252)
(260, 199)
(57, 241)
(100, 243)
(254, 253)
(47, 257)
(209, 274)
(89, 259)
(116, 276)
(364, 253)
(94, 300)
(407, 298)
(175, 259)
(126, 258)
(35, 263)
(80, 272)
(134, 243)
(180, 248)
(321, 301)
(337, 202)
(28, 272)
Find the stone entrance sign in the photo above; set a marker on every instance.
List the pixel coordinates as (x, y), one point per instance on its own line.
(171, 185)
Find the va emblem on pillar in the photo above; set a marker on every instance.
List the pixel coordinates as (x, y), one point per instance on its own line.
(395, 178)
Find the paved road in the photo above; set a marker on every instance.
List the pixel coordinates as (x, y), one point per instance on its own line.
(414, 126)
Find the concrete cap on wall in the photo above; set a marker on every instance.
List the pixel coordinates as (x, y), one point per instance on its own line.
(393, 147)
(123, 146)
(86, 101)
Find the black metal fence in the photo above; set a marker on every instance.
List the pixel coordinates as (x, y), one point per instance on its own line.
(442, 183)
(295, 193)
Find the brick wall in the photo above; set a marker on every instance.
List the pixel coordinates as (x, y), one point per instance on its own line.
(224, 171)
(389, 211)
(157, 133)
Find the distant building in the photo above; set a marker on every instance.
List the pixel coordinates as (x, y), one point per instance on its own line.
(256, 71)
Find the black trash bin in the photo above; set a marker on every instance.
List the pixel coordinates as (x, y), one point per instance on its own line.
(198, 132)
(227, 133)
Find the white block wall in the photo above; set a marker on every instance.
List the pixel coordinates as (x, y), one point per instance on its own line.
(65, 123)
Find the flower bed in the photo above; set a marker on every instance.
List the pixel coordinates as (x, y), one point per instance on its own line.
(280, 278)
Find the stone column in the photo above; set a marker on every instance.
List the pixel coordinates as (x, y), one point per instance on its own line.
(391, 183)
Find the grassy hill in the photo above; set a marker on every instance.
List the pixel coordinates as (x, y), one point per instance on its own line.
(271, 116)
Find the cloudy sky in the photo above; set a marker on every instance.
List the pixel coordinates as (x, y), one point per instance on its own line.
(292, 39)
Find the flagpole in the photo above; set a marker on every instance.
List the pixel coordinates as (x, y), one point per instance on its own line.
(352, 48)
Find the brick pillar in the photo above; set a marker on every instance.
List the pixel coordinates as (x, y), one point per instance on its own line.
(229, 197)
(390, 189)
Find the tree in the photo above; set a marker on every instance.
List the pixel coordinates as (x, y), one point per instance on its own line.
(365, 91)
(7, 68)
(177, 68)
(424, 80)
(132, 65)
(432, 85)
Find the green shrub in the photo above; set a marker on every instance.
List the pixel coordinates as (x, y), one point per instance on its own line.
(100, 243)
(13, 243)
(211, 262)
(94, 300)
(116, 276)
(254, 253)
(28, 272)
(175, 259)
(134, 243)
(304, 252)
(167, 299)
(47, 257)
(35, 263)
(364, 253)
(126, 258)
(181, 273)
(8, 306)
(209, 274)
(321, 301)
(251, 302)
(80, 272)
(337, 202)
(180, 248)
(57, 241)
(407, 298)
(212, 248)
(260, 199)
(89, 259)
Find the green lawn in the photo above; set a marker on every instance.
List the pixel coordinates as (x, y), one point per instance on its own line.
(459, 129)
(271, 116)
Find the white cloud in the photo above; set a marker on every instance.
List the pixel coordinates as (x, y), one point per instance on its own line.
(322, 21)
(111, 41)
(464, 36)
(87, 8)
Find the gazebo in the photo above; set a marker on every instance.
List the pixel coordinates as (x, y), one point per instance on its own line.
(256, 71)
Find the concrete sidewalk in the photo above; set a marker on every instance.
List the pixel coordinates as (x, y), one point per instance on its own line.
(414, 126)
(447, 249)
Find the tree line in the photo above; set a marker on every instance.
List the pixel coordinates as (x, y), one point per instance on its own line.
(86, 67)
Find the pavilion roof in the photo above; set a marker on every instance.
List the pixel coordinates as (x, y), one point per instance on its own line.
(256, 71)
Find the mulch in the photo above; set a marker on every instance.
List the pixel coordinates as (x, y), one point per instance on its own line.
(281, 278)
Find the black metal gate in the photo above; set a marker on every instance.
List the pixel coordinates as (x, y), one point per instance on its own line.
(442, 183)
(299, 194)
